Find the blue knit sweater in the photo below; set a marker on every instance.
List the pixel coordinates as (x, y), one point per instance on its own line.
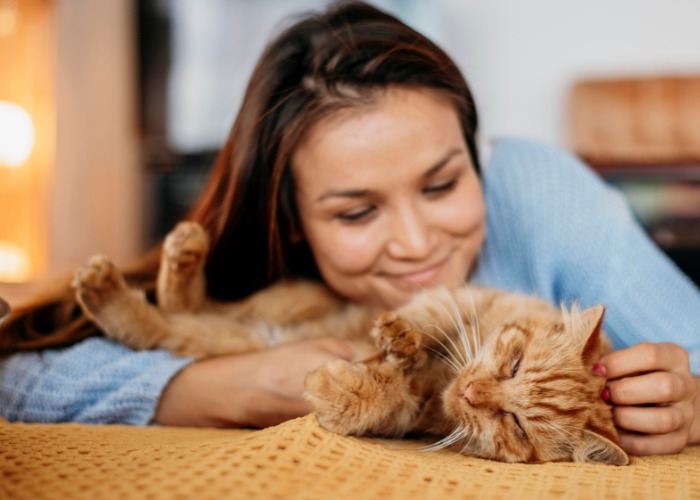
(554, 229)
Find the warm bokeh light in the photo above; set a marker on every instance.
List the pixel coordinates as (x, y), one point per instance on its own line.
(15, 265)
(27, 135)
(16, 135)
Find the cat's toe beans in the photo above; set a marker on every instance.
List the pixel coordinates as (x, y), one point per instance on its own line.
(407, 344)
(187, 244)
(98, 276)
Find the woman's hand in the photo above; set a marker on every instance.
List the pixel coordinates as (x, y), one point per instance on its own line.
(255, 389)
(654, 398)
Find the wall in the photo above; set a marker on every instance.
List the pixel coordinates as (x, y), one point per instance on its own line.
(520, 57)
(96, 195)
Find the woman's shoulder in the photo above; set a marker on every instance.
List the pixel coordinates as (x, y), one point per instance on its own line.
(527, 162)
(545, 209)
(531, 178)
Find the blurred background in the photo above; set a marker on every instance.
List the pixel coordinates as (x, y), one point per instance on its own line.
(111, 111)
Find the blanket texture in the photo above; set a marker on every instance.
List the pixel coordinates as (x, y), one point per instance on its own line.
(299, 459)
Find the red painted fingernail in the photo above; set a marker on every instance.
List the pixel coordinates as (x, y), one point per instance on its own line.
(599, 369)
(605, 395)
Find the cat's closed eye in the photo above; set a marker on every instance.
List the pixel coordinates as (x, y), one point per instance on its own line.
(516, 366)
(520, 432)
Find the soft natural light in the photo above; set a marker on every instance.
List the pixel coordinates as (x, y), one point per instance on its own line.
(16, 135)
(14, 263)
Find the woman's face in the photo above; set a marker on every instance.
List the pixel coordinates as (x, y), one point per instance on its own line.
(388, 198)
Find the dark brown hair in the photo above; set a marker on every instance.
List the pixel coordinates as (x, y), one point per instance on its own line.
(342, 57)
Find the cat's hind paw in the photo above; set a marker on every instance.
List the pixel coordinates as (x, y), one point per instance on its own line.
(186, 246)
(334, 393)
(97, 283)
(360, 398)
(400, 343)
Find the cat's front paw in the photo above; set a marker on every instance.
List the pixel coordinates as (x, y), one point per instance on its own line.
(186, 246)
(97, 282)
(399, 341)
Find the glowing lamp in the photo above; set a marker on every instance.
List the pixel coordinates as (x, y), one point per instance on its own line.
(16, 135)
(15, 264)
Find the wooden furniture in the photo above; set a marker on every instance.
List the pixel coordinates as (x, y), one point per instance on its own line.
(643, 134)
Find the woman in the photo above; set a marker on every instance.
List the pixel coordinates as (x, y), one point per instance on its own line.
(354, 160)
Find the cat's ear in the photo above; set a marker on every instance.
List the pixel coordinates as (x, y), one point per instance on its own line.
(595, 448)
(591, 321)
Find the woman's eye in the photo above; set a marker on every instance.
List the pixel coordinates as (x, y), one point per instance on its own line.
(442, 187)
(355, 215)
(516, 366)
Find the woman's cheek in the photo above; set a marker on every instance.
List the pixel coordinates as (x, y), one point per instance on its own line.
(459, 218)
(468, 213)
(348, 250)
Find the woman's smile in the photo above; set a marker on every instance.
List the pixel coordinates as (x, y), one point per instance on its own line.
(421, 277)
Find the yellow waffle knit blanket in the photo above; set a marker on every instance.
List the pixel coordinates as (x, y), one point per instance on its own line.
(299, 459)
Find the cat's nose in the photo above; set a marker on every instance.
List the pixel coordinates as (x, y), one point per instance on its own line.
(470, 394)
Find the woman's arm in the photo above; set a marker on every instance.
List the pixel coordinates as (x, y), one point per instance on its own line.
(256, 389)
(93, 381)
(99, 381)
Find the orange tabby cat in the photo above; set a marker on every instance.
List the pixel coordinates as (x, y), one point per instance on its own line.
(496, 375)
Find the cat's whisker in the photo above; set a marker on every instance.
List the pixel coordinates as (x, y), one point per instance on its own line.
(461, 330)
(476, 329)
(460, 362)
(447, 356)
(475, 333)
(451, 364)
(457, 435)
(467, 446)
(474, 323)
(475, 338)
(464, 355)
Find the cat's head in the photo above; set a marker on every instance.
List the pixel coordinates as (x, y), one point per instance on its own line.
(531, 394)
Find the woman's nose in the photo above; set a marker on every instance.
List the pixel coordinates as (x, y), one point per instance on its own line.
(410, 236)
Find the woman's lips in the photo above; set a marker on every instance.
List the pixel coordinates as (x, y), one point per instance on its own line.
(423, 277)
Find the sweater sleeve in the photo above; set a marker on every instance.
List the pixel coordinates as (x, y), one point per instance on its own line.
(94, 381)
(557, 230)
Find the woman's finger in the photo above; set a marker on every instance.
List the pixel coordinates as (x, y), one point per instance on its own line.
(652, 420)
(645, 357)
(650, 388)
(653, 444)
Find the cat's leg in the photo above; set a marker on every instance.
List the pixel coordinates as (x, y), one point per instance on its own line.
(181, 286)
(380, 396)
(121, 312)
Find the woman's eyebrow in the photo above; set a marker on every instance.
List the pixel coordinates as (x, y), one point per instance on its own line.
(348, 193)
(440, 164)
(361, 193)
